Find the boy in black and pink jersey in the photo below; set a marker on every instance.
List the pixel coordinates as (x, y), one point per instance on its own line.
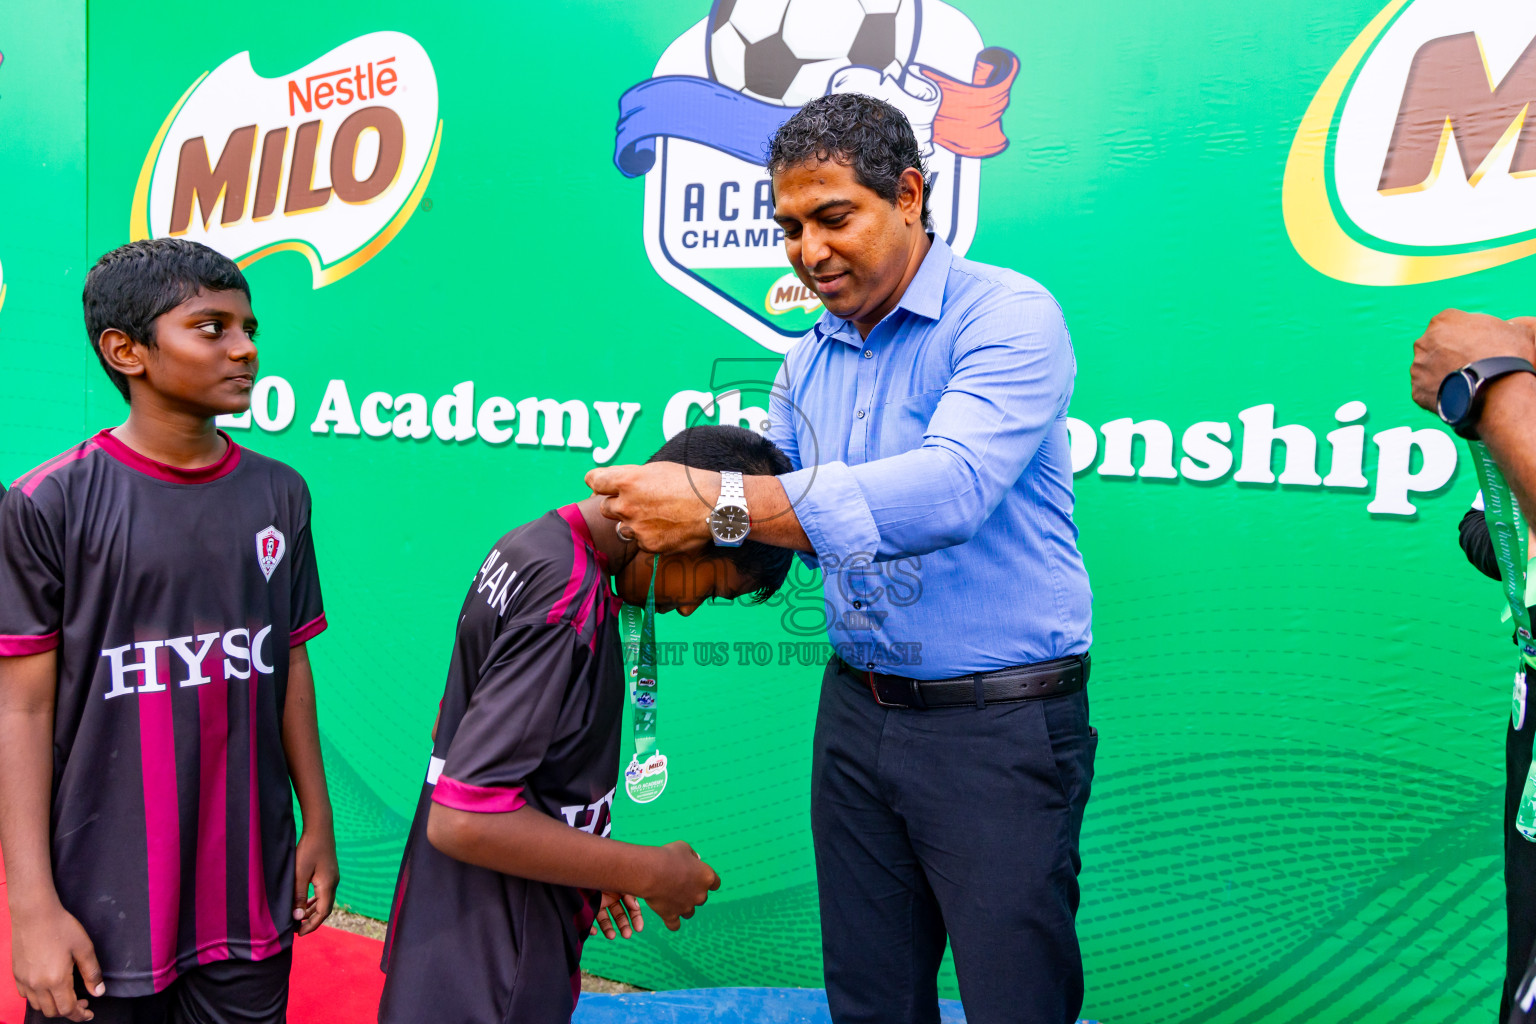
(508, 859)
(157, 589)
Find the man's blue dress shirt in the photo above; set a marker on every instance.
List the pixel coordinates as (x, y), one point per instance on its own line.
(933, 477)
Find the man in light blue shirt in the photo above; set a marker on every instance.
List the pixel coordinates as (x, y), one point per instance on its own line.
(926, 417)
(941, 435)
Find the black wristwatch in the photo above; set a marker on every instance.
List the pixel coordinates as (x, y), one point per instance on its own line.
(1460, 401)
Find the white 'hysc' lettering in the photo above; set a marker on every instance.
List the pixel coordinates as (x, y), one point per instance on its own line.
(237, 645)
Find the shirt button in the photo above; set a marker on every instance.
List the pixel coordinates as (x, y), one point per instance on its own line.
(871, 666)
(869, 354)
(858, 604)
(861, 414)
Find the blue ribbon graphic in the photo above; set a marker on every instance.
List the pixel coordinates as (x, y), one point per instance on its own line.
(696, 109)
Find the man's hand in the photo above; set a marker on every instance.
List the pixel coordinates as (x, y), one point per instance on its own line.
(683, 882)
(617, 912)
(1453, 339)
(664, 505)
(315, 864)
(46, 948)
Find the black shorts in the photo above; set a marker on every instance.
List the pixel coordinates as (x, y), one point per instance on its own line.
(223, 992)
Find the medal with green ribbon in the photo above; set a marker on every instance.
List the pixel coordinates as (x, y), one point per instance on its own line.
(1507, 532)
(646, 775)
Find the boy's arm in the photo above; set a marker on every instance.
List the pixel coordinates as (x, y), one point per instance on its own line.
(479, 813)
(47, 943)
(529, 844)
(315, 863)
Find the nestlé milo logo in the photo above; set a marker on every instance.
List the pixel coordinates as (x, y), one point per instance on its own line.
(1415, 160)
(329, 161)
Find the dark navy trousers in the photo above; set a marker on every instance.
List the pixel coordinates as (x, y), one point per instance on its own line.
(958, 823)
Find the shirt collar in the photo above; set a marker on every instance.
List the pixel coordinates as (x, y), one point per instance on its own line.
(108, 443)
(924, 295)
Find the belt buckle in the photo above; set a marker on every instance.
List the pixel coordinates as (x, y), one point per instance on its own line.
(893, 688)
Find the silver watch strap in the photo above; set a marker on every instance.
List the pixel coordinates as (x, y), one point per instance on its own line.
(733, 490)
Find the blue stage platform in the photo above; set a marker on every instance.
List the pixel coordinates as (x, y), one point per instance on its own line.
(724, 1006)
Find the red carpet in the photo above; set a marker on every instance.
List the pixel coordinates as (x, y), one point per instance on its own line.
(336, 977)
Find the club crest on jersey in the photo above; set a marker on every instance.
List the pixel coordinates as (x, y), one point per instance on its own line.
(698, 129)
(271, 545)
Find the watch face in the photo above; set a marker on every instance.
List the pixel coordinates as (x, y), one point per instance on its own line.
(729, 524)
(1455, 398)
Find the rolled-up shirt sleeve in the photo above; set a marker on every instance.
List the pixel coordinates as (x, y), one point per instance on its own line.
(1012, 379)
(834, 512)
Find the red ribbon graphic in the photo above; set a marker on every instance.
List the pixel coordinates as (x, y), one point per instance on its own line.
(969, 121)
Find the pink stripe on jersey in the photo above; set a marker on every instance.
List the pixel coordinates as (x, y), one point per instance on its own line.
(162, 828)
(18, 646)
(461, 796)
(263, 933)
(585, 611)
(583, 536)
(607, 607)
(170, 474)
(572, 516)
(307, 632)
(212, 815)
(48, 467)
(73, 454)
(29, 483)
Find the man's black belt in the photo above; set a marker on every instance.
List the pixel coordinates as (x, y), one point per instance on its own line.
(1006, 685)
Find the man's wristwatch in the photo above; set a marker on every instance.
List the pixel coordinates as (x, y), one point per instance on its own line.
(728, 523)
(1460, 401)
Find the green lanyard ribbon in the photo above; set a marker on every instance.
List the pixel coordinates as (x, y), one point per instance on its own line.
(646, 775)
(1507, 532)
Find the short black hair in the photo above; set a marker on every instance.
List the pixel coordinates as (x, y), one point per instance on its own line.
(134, 285)
(719, 448)
(869, 135)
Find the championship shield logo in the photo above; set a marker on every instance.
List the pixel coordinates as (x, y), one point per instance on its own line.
(699, 129)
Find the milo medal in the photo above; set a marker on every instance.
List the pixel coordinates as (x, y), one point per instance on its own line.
(1517, 706)
(646, 775)
(1525, 817)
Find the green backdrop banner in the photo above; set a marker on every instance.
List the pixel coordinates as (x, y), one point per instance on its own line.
(495, 245)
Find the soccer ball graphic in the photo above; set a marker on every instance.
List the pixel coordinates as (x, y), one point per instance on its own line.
(786, 51)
